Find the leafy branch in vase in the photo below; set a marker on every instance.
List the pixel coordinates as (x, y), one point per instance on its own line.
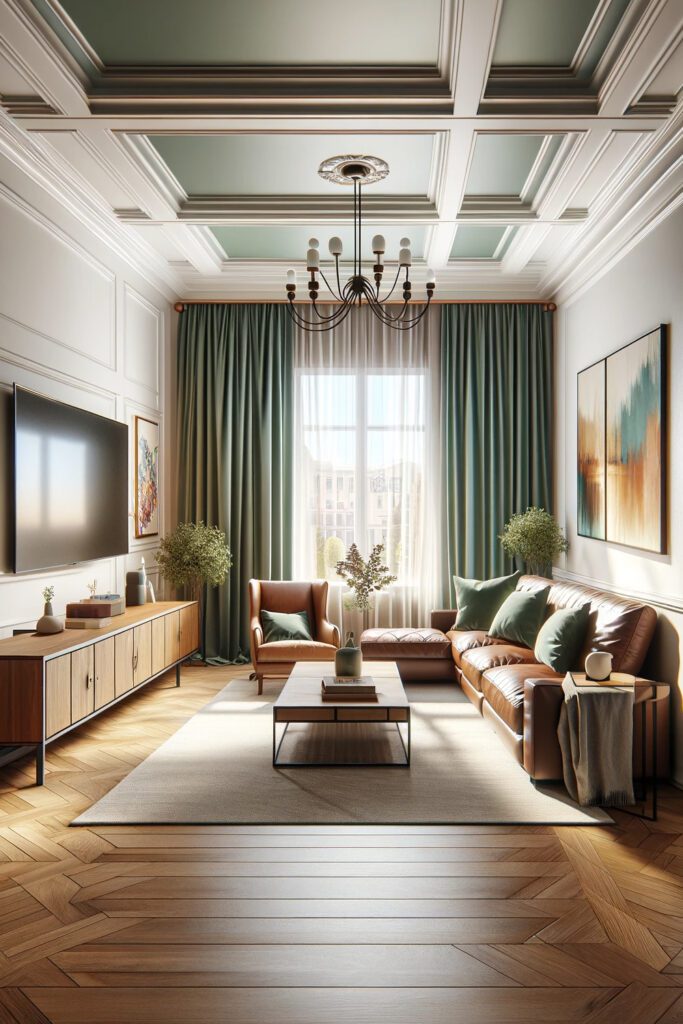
(362, 577)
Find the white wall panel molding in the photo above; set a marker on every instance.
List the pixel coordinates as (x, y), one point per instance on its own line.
(143, 335)
(665, 602)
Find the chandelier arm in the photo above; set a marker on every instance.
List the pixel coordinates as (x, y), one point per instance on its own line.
(314, 327)
(329, 287)
(400, 325)
(343, 303)
(336, 267)
(393, 287)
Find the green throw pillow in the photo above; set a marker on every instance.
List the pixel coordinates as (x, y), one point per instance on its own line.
(520, 616)
(479, 600)
(561, 638)
(285, 626)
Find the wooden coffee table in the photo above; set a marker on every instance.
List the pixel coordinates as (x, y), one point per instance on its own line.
(300, 701)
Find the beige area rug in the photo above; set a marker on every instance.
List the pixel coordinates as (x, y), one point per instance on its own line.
(217, 769)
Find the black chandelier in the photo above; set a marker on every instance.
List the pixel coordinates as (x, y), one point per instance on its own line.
(356, 171)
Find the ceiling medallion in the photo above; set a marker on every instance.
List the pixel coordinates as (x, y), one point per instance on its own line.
(357, 289)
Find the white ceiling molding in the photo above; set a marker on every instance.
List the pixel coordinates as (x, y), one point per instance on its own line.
(85, 136)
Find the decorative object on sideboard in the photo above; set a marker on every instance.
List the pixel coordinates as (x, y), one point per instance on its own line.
(146, 477)
(598, 666)
(92, 589)
(136, 586)
(192, 557)
(151, 596)
(348, 661)
(535, 537)
(49, 622)
(621, 445)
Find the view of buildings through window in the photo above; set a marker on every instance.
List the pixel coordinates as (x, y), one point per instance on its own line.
(361, 478)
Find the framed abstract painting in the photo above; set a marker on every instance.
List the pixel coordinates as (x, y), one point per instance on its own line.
(590, 448)
(146, 477)
(635, 414)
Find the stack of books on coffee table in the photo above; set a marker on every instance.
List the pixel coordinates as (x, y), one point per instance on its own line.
(351, 688)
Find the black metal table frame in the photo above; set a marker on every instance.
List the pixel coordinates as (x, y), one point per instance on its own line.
(645, 781)
(277, 763)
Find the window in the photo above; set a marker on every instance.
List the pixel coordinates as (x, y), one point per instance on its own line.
(366, 428)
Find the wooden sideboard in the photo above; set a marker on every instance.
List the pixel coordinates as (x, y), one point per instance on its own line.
(51, 684)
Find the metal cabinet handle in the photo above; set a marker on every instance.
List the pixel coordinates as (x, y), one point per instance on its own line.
(135, 660)
(88, 681)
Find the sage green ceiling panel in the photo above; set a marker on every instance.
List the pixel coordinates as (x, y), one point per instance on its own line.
(288, 164)
(203, 32)
(290, 242)
(541, 33)
(501, 164)
(476, 241)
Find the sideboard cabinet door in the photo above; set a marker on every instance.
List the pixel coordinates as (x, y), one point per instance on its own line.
(57, 694)
(142, 652)
(105, 686)
(123, 662)
(189, 630)
(172, 645)
(82, 683)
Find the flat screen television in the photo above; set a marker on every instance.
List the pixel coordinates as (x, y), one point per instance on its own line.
(70, 484)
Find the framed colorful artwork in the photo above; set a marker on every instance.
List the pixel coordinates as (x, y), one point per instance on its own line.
(146, 477)
(590, 451)
(635, 413)
(621, 445)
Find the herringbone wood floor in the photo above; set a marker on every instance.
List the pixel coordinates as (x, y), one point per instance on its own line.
(295, 925)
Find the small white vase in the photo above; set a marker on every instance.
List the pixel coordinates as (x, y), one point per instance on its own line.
(598, 666)
(49, 623)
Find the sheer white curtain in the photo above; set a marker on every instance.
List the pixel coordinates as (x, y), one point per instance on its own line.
(367, 463)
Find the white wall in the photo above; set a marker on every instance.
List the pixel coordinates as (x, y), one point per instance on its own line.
(643, 290)
(78, 324)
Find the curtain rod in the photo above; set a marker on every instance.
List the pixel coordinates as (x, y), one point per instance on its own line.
(548, 307)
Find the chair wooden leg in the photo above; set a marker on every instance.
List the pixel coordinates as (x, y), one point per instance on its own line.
(259, 677)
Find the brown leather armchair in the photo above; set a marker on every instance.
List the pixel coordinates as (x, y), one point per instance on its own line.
(276, 659)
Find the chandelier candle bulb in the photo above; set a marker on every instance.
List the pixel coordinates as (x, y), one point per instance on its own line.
(336, 247)
(291, 277)
(405, 258)
(378, 244)
(312, 259)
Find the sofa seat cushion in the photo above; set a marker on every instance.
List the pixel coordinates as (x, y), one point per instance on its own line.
(503, 689)
(479, 659)
(280, 651)
(405, 643)
(462, 640)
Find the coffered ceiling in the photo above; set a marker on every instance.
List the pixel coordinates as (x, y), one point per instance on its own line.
(529, 141)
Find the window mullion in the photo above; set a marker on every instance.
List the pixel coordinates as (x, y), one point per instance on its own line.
(362, 482)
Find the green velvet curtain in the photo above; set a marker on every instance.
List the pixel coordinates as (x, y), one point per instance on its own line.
(234, 457)
(496, 399)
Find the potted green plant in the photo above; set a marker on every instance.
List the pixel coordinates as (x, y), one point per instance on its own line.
(536, 537)
(192, 557)
(364, 578)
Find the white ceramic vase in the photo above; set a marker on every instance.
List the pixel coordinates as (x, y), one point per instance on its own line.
(49, 622)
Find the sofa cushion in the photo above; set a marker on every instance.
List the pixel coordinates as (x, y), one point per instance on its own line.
(464, 640)
(283, 651)
(479, 600)
(560, 638)
(503, 689)
(405, 643)
(479, 659)
(519, 618)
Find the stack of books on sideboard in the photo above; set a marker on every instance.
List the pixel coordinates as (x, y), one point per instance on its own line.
(351, 688)
(94, 612)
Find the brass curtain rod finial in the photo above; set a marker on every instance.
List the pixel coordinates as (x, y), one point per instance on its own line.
(179, 307)
(550, 307)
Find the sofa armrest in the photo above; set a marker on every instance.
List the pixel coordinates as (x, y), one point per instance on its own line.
(443, 618)
(328, 633)
(542, 702)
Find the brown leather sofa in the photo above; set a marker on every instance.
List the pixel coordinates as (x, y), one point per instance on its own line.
(521, 698)
(276, 660)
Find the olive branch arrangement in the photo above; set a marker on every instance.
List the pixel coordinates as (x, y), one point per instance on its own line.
(362, 577)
